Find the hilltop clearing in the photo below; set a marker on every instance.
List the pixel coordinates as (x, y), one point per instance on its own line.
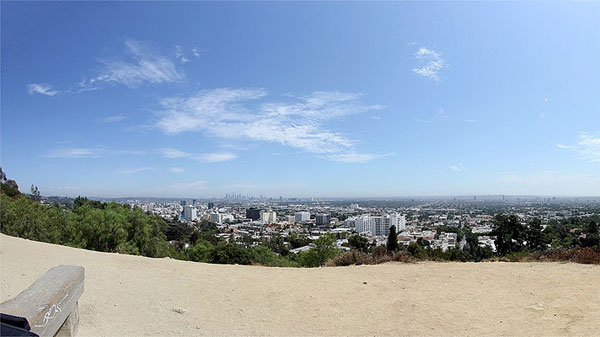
(138, 296)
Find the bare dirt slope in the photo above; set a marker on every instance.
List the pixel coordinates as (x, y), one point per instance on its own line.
(135, 296)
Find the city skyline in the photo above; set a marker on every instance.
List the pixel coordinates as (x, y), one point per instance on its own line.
(301, 99)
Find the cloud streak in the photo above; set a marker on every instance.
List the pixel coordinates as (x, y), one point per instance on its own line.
(214, 157)
(430, 64)
(112, 119)
(141, 65)
(87, 152)
(42, 89)
(78, 152)
(137, 170)
(354, 157)
(588, 147)
(459, 167)
(179, 55)
(298, 122)
(193, 185)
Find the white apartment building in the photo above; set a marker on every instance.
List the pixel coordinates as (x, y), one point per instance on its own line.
(362, 224)
(190, 213)
(216, 217)
(377, 225)
(268, 216)
(302, 216)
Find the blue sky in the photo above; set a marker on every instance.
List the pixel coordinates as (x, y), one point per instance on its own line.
(194, 99)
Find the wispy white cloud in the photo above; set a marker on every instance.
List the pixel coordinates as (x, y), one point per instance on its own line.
(215, 157)
(354, 157)
(126, 152)
(198, 51)
(243, 114)
(87, 152)
(176, 169)
(179, 55)
(431, 63)
(236, 147)
(142, 65)
(112, 119)
(137, 170)
(42, 89)
(169, 152)
(459, 167)
(588, 146)
(193, 185)
(76, 152)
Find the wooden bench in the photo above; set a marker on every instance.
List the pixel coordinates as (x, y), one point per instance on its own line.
(50, 304)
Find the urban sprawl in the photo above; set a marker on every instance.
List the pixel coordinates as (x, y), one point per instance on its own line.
(236, 216)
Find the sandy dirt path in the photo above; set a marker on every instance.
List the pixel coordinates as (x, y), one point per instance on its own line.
(135, 296)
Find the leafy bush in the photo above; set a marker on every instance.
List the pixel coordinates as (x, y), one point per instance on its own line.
(230, 253)
(200, 251)
(323, 251)
(416, 250)
(263, 256)
(97, 226)
(358, 242)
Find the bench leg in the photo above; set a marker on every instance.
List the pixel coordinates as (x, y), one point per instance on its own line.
(69, 327)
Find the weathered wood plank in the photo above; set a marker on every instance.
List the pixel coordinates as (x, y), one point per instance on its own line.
(50, 300)
(69, 327)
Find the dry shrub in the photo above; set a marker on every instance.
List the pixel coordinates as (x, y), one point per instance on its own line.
(403, 256)
(349, 258)
(577, 255)
(382, 259)
(380, 251)
(400, 256)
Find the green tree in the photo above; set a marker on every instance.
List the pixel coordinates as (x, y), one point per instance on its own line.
(8, 186)
(416, 250)
(509, 234)
(264, 256)
(358, 242)
(230, 253)
(324, 250)
(593, 227)
(298, 240)
(200, 252)
(278, 245)
(534, 236)
(592, 237)
(392, 242)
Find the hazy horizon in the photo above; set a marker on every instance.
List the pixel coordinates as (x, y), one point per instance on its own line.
(349, 198)
(325, 100)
